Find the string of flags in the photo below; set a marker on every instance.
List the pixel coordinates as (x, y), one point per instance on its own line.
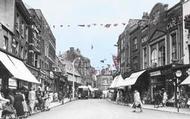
(91, 25)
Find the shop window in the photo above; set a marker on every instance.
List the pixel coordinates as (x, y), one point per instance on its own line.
(26, 33)
(5, 45)
(154, 57)
(17, 22)
(145, 63)
(21, 52)
(22, 29)
(174, 46)
(161, 53)
(25, 54)
(135, 43)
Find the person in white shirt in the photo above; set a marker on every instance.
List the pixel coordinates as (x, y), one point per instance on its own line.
(32, 99)
(137, 101)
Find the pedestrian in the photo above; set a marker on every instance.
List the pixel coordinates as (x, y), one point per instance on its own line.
(137, 101)
(25, 106)
(165, 98)
(32, 99)
(18, 104)
(117, 97)
(39, 98)
(47, 100)
(3, 101)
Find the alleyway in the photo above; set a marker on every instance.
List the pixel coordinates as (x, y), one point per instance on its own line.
(102, 109)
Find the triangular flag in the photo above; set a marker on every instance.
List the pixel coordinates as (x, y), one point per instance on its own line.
(102, 61)
(82, 25)
(115, 25)
(107, 25)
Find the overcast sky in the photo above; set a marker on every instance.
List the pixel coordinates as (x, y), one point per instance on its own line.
(75, 12)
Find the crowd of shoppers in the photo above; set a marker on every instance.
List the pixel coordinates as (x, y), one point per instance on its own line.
(23, 102)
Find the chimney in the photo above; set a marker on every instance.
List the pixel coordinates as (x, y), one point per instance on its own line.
(72, 49)
(165, 7)
(145, 15)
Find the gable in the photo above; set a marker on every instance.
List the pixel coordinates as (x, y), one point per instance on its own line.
(156, 34)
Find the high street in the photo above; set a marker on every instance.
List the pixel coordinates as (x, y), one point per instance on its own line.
(102, 109)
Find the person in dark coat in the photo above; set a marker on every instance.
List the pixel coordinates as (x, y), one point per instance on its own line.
(18, 104)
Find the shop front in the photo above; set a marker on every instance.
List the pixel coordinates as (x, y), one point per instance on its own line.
(14, 69)
(168, 78)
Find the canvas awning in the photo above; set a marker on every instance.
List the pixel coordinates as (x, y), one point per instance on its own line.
(17, 68)
(115, 81)
(119, 82)
(132, 79)
(186, 81)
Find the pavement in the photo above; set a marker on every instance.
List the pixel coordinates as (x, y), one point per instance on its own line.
(164, 109)
(56, 104)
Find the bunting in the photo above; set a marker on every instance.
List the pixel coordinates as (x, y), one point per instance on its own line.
(91, 25)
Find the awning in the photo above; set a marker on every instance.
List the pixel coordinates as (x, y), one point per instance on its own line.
(186, 81)
(119, 82)
(132, 79)
(17, 68)
(114, 82)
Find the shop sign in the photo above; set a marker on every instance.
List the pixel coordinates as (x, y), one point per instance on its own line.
(12, 83)
(155, 73)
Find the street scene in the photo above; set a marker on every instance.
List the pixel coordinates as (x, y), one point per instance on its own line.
(89, 59)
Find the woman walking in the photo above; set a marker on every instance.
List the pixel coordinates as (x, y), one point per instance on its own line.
(137, 101)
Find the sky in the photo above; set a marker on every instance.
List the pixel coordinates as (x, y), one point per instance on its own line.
(89, 12)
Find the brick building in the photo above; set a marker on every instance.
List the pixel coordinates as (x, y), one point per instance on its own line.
(157, 48)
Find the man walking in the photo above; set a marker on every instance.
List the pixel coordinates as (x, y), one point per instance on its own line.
(137, 101)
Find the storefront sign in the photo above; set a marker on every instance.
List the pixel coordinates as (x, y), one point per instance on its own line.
(12, 83)
(156, 73)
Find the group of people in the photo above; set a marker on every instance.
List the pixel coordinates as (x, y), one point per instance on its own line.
(160, 98)
(23, 103)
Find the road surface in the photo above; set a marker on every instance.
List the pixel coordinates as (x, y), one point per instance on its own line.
(102, 109)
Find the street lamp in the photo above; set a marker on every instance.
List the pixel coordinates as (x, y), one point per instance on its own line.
(178, 75)
(73, 64)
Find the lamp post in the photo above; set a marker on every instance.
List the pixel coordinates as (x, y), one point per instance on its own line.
(178, 75)
(73, 64)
